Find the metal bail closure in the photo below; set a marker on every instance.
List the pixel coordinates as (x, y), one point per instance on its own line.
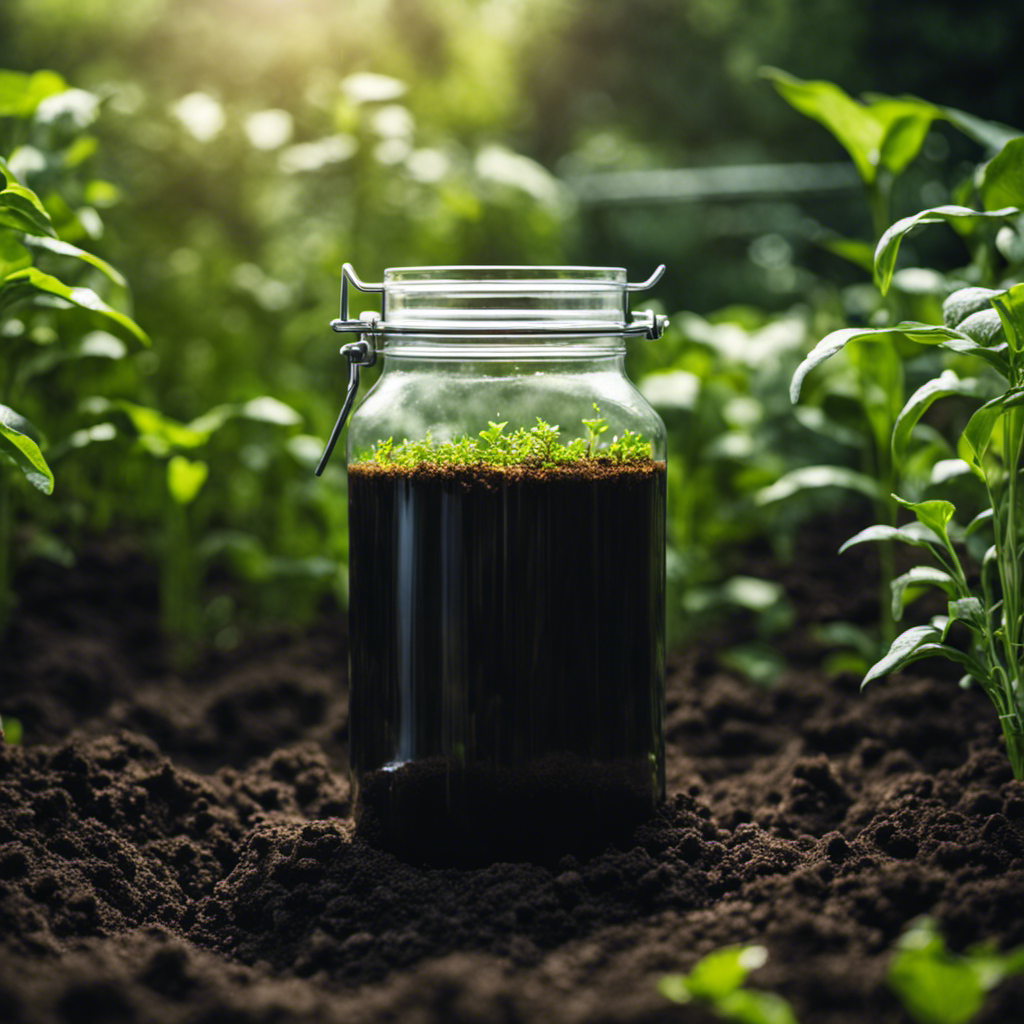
(364, 352)
(358, 353)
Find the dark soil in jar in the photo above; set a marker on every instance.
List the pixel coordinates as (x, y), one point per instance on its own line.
(507, 656)
(177, 848)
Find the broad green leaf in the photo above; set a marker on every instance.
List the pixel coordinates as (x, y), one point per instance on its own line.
(901, 650)
(924, 334)
(947, 383)
(856, 129)
(1010, 306)
(1002, 182)
(913, 533)
(20, 441)
(984, 327)
(995, 355)
(751, 1006)
(991, 134)
(35, 281)
(919, 576)
(934, 515)
(22, 210)
(61, 248)
(185, 478)
(889, 244)
(808, 478)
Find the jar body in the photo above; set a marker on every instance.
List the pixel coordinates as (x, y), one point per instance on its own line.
(506, 621)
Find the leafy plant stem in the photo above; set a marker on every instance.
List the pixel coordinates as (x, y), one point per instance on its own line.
(178, 586)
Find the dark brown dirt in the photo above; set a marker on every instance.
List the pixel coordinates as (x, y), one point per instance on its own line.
(175, 847)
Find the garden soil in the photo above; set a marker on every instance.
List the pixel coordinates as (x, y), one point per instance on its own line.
(175, 846)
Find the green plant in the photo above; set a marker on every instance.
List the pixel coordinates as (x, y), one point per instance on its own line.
(46, 320)
(174, 446)
(936, 986)
(883, 135)
(537, 446)
(984, 327)
(717, 982)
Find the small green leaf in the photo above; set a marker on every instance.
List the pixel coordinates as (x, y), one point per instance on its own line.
(814, 477)
(19, 439)
(921, 575)
(889, 244)
(674, 987)
(1002, 182)
(934, 515)
(983, 518)
(751, 1006)
(185, 478)
(158, 433)
(1010, 306)
(21, 93)
(61, 248)
(947, 383)
(34, 281)
(978, 433)
(901, 650)
(959, 305)
(724, 971)
(13, 255)
(913, 533)
(968, 609)
(22, 210)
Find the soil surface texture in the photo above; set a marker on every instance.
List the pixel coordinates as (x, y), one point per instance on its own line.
(176, 846)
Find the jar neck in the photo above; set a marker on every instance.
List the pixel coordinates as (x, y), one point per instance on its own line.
(503, 348)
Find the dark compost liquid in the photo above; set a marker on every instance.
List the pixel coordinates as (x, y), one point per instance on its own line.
(507, 666)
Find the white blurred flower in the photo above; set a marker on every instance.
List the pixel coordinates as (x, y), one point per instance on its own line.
(269, 129)
(393, 122)
(391, 151)
(428, 165)
(367, 87)
(201, 115)
(311, 156)
(80, 106)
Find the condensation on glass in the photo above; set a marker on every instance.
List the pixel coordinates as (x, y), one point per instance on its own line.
(506, 626)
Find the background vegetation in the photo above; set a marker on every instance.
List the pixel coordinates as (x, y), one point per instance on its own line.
(240, 151)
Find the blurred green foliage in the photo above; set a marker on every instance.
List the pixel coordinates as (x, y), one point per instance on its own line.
(245, 149)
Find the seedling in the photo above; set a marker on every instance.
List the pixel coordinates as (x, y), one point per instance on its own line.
(537, 446)
(936, 986)
(717, 982)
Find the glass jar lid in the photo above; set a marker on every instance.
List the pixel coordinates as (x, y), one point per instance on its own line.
(491, 301)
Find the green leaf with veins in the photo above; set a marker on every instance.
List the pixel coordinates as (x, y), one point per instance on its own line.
(1002, 182)
(24, 284)
(20, 441)
(946, 384)
(1010, 307)
(22, 210)
(889, 244)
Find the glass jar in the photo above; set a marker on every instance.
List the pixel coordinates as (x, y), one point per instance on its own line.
(506, 490)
